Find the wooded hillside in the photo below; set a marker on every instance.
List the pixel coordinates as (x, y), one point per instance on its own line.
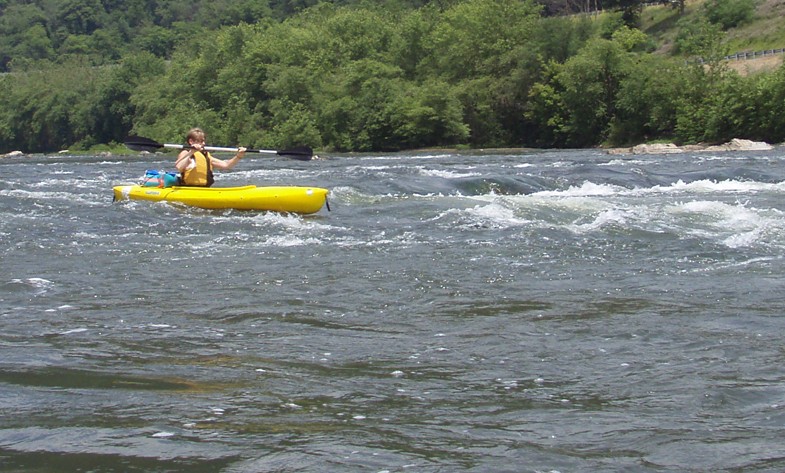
(105, 30)
(362, 76)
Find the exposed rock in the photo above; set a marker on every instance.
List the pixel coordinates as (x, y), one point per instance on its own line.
(656, 148)
(13, 154)
(735, 144)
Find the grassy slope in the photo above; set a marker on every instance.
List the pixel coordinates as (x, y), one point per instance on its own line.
(766, 31)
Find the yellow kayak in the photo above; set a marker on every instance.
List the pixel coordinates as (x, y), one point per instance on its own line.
(301, 200)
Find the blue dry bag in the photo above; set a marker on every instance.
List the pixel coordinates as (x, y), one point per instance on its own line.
(153, 178)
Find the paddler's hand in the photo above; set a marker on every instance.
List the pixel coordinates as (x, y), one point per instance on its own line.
(241, 152)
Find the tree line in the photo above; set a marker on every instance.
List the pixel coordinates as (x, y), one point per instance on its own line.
(105, 30)
(366, 77)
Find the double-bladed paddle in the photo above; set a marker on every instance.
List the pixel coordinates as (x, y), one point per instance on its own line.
(138, 143)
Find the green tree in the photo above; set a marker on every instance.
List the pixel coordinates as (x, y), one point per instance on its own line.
(112, 112)
(590, 82)
(701, 40)
(480, 38)
(546, 109)
(35, 44)
(729, 13)
(18, 18)
(232, 12)
(46, 109)
(698, 99)
(80, 17)
(201, 87)
(430, 114)
(630, 10)
(357, 107)
(23, 35)
(485, 49)
(408, 47)
(156, 39)
(647, 100)
(294, 125)
(559, 38)
(764, 107)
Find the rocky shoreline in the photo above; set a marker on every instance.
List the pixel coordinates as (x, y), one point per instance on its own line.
(735, 144)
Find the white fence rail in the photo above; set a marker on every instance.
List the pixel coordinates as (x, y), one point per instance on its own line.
(754, 55)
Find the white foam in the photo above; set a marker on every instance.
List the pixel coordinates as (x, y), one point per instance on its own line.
(290, 241)
(412, 157)
(742, 240)
(259, 176)
(40, 285)
(75, 330)
(624, 162)
(609, 217)
(69, 197)
(592, 207)
(735, 225)
(589, 189)
(38, 282)
(709, 186)
(586, 189)
(493, 215)
(725, 216)
(448, 174)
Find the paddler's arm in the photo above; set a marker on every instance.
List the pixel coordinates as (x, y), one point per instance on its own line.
(183, 159)
(229, 163)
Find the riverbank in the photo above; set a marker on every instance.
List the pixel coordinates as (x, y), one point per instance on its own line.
(735, 144)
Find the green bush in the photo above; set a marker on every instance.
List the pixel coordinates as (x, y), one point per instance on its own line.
(729, 13)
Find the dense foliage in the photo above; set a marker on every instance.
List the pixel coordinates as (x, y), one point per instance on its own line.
(359, 77)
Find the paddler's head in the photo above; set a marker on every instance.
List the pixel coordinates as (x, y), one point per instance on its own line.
(195, 136)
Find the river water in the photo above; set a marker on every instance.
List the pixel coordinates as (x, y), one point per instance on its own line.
(527, 311)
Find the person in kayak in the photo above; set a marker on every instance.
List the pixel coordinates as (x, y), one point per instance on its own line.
(196, 165)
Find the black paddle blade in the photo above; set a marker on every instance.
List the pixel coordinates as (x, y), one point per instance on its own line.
(302, 153)
(139, 143)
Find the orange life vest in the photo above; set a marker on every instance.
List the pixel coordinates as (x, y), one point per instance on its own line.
(200, 175)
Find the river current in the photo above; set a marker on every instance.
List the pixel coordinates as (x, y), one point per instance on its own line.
(521, 311)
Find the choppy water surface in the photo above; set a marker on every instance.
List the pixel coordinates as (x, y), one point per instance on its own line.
(486, 312)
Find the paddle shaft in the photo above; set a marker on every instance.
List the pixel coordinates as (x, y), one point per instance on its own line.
(221, 148)
(138, 143)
